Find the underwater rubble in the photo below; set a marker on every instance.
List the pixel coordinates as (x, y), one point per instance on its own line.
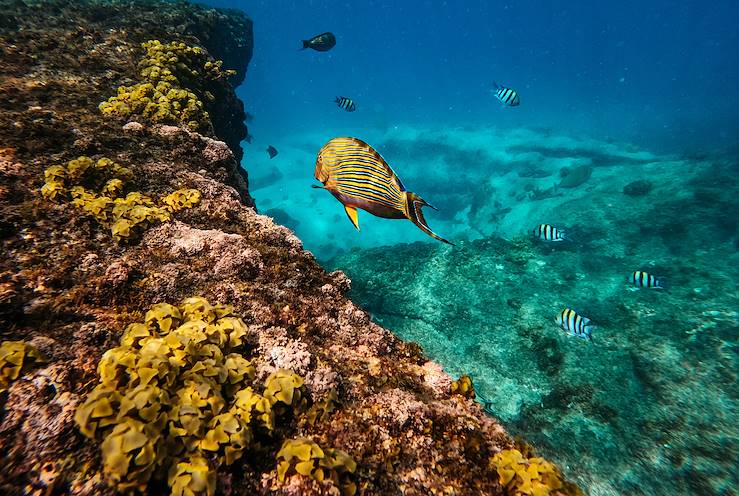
(156, 330)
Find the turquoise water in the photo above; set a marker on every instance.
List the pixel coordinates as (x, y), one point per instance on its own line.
(626, 137)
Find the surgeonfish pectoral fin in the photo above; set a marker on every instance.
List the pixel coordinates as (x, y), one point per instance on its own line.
(351, 212)
(415, 215)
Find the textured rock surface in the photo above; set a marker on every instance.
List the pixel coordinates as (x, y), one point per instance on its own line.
(69, 289)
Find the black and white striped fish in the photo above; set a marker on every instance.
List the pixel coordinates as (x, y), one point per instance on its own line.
(642, 279)
(549, 233)
(345, 103)
(575, 324)
(507, 96)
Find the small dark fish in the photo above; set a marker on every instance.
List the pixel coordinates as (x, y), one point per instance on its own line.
(641, 279)
(321, 43)
(549, 233)
(248, 138)
(272, 151)
(575, 324)
(507, 96)
(345, 103)
(359, 177)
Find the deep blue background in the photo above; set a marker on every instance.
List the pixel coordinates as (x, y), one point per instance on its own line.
(660, 74)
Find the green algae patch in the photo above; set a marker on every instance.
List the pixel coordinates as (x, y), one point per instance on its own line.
(305, 457)
(126, 216)
(178, 398)
(15, 356)
(171, 76)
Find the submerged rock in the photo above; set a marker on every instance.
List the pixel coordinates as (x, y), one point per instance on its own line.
(70, 288)
(640, 187)
(572, 178)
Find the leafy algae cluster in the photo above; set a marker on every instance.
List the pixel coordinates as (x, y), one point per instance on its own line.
(178, 398)
(463, 387)
(520, 475)
(126, 215)
(305, 457)
(170, 74)
(13, 356)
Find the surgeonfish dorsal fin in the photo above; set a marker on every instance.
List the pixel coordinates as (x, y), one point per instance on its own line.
(351, 212)
(415, 215)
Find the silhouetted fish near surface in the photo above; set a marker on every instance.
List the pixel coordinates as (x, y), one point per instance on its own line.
(321, 43)
(575, 324)
(507, 96)
(272, 151)
(345, 103)
(359, 177)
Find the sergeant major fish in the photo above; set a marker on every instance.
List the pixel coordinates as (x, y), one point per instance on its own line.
(641, 279)
(507, 96)
(320, 43)
(549, 233)
(359, 177)
(345, 103)
(575, 324)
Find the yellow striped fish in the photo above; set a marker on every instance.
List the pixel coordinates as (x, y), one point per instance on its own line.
(359, 177)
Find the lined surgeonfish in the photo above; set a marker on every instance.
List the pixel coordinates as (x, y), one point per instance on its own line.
(321, 43)
(359, 177)
(643, 280)
(549, 233)
(507, 96)
(575, 324)
(345, 103)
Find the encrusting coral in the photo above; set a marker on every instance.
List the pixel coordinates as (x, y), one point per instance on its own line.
(177, 395)
(124, 216)
(170, 73)
(307, 458)
(13, 356)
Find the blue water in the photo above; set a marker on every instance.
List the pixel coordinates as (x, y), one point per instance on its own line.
(628, 91)
(661, 74)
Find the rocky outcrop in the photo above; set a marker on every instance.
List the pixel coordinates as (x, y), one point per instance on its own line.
(70, 289)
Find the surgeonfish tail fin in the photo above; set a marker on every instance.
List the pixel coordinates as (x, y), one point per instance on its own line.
(415, 203)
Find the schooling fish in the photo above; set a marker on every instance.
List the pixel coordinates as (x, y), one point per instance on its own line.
(345, 103)
(321, 43)
(643, 280)
(576, 324)
(272, 151)
(507, 96)
(359, 177)
(549, 233)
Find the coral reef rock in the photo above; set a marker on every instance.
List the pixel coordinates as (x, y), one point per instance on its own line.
(375, 415)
